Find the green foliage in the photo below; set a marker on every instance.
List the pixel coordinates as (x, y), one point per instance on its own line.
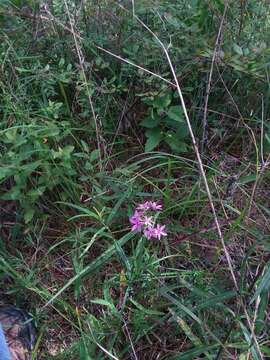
(165, 123)
(85, 135)
(31, 163)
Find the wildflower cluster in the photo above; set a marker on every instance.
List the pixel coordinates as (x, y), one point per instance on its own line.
(142, 220)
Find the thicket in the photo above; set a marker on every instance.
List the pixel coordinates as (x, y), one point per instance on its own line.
(91, 125)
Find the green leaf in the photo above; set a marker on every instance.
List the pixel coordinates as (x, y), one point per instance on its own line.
(23, 70)
(5, 172)
(237, 49)
(104, 303)
(11, 134)
(28, 216)
(196, 351)
(182, 131)
(67, 150)
(262, 311)
(175, 144)
(154, 138)
(117, 207)
(84, 212)
(264, 284)
(250, 342)
(13, 194)
(124, 259)
(162, 101)
(181, 308)
(176, 113)
(144, 310)
(30, 167)
(35, 193)
(216, 300)
(150, 122)
(247, 179)
(94, 155)
(243, 356)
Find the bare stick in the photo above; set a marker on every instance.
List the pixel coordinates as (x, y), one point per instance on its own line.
(262, 134)
(208, 87)
(135, 65)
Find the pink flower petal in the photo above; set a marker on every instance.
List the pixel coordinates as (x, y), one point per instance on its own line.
(160, 231)
(155, 206)
(144, 206)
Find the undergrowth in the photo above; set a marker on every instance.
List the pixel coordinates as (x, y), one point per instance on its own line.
(91, 125)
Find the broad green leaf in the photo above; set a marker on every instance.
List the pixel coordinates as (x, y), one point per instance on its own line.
(67, 150)
(30, 167)
(162, 101)
(176, 113)
(182, 131)
(154, 138)
(150, 122)
(13, 194)
(94, 155)
(175, 144)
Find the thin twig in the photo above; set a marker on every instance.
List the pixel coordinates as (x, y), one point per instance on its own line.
(131, 342)
(135, 65)
(257, 304)
(208, 87)
(262, 134)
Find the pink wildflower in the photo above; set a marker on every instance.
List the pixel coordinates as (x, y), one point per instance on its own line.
(155, 206)
(144, 206)
(160, 231)
(141, 221)
(136, 221)
(148, 220)
(149, 232)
